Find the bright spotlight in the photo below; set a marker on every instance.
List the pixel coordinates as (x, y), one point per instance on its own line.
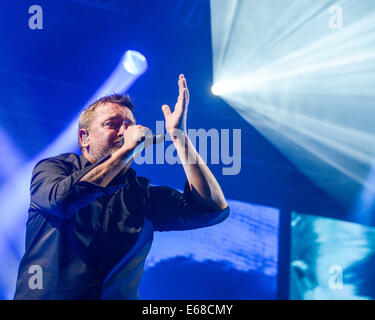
(221, 88)
(301, 82)
(134, 62)
(215, 90)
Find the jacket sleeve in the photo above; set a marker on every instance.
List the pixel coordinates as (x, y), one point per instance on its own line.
(56, 190)
(170, 209)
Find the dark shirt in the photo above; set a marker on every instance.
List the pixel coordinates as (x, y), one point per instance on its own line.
(91, 242)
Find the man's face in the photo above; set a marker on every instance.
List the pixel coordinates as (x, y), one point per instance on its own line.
(107, 128)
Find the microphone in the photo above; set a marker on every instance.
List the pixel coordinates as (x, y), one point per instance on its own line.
(156, 138)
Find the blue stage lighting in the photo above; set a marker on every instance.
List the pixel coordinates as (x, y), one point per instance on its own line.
(304, 82)
(134, 62)
(215, 90)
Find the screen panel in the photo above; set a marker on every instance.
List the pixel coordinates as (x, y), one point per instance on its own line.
(331, 259)
(236, 259)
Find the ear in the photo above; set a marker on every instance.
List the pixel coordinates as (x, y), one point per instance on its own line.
(84, 139)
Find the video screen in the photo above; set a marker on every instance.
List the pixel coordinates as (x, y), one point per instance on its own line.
(331, 259)
(236, 259)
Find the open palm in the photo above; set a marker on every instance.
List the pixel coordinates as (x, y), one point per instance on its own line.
(175, 122)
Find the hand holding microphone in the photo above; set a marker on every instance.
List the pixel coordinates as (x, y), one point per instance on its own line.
(136, 138)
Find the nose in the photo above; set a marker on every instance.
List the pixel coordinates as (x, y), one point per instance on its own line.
(124, 126)
(122, 129)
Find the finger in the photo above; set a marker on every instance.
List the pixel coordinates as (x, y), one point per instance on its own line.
(180, 106)
(166, 110)
(142, 134)
(180, 87)
(183, 92)
(187, 96)
(144, 131)
(184, 83)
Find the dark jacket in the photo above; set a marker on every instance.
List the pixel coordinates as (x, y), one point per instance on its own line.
(91, 242)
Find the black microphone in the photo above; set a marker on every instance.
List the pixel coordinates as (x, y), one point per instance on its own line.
(156, 138)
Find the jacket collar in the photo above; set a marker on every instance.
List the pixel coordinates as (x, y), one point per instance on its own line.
(85, 163)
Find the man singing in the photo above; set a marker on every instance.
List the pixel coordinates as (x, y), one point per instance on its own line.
(91, 219)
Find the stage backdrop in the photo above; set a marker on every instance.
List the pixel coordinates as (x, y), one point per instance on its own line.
(331, 259)
(236, 259)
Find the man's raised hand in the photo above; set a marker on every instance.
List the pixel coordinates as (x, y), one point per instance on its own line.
(175, 122)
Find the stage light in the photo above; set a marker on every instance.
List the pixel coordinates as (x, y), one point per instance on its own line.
(224, 87)
(216, 89)
(301, 84)
(134, 62)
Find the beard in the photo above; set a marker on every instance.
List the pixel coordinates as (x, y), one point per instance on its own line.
(100, 151)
